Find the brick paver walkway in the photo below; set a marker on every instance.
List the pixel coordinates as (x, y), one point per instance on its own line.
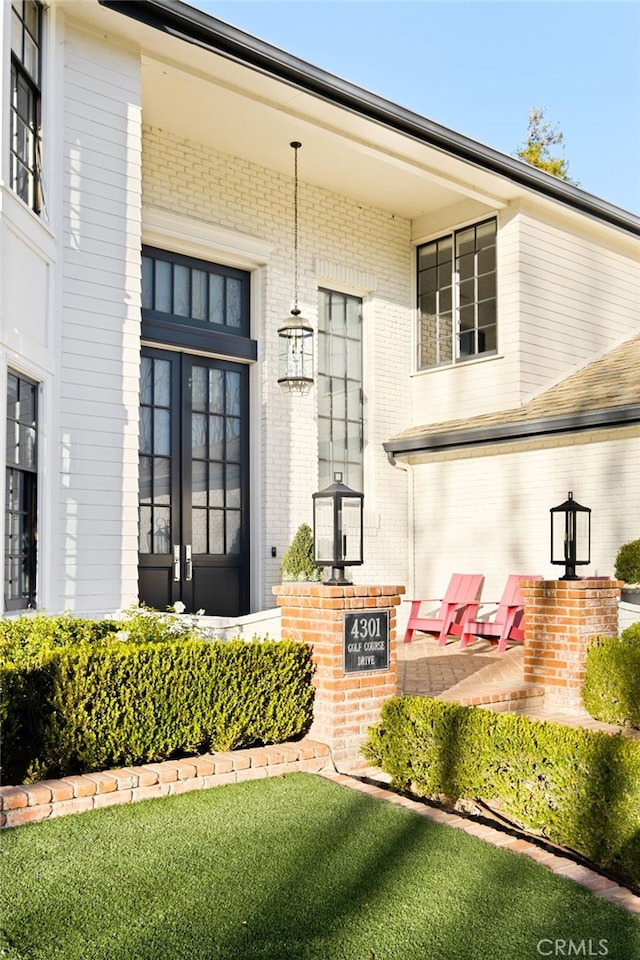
(478, 675)
(474, 674)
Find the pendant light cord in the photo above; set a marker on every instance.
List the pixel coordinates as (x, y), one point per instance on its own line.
(296, 146)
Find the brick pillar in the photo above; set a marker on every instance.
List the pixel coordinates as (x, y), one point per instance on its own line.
(347, 700)
(561, 616)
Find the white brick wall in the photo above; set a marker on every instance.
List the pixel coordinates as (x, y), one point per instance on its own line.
(96, 536)
(358, 241)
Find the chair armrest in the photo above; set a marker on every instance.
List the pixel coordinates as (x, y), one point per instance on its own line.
(493, 606)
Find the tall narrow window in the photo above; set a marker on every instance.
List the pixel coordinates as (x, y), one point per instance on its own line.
(340, 421)
(21, 494)
(457, 296)
(24, 139)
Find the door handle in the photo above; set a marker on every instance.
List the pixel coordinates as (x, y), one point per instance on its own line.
(176, 561)
(188, 565)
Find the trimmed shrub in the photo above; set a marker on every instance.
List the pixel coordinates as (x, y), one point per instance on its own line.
(578, 788)
(28, 638)
(611, 690)
(627, 565)
(92, 707)
(632, 634)
(298, 562)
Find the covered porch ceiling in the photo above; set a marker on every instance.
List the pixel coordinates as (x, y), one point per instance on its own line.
(254, 118)
(218, 100)
(209, 82)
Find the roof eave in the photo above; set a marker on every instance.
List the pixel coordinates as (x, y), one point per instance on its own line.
(195, 26)
(523, 430)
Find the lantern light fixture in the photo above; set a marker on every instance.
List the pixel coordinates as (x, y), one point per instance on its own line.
(337, 529)
(295, 334)
(570, 536)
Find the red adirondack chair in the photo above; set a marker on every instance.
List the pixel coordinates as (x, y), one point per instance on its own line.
(508, 622)
(461, 600)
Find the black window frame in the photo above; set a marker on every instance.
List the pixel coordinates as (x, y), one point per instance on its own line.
(340, 392)
(25, 145)
(184, 331)
(457, 296)
(21, 494)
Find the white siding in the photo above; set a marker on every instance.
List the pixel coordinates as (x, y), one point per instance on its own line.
(563, 300)
(579, 297)
(488, 512)
(98, 387)
(487, 384)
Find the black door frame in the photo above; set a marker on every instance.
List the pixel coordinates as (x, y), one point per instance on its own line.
(216, 346)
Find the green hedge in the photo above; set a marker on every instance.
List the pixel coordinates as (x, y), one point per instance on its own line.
(578, 788)
(627, 565)
(95, 706)
(611, 689)
(30, 637)
(27, 638)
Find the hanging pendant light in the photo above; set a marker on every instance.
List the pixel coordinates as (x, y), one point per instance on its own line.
(295, 335)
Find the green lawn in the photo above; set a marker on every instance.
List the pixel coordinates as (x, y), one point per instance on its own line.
(289, 867)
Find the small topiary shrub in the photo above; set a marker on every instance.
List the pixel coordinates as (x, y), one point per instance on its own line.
(632, 634)
(611, 690)
(627, 565)
(298, 562)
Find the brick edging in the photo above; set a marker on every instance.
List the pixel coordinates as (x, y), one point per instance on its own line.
(30, 803)
(559, 863)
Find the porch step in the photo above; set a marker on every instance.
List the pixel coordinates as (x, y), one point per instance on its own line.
(477, 676)
(514, 700)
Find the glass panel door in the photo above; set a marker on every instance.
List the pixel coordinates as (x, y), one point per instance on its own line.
(194, 483)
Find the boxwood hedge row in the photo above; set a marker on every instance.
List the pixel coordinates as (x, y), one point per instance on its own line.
(110, 703)
(611, 689)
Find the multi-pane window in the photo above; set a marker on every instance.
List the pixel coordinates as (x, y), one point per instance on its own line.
(457, 296)
(21, 494)
(24, 134)
(216, 464)
(194, 290)
(156, 390)
(340, 420)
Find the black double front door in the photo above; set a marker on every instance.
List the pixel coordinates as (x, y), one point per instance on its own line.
(194, 523)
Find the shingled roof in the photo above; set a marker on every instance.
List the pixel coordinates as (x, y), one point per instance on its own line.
(604, 393)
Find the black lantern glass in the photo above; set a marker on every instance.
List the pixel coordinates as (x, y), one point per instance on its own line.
(570, 536)
(295, 335)
(337, 529)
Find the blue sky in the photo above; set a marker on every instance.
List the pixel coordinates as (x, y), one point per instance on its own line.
(479, 66)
